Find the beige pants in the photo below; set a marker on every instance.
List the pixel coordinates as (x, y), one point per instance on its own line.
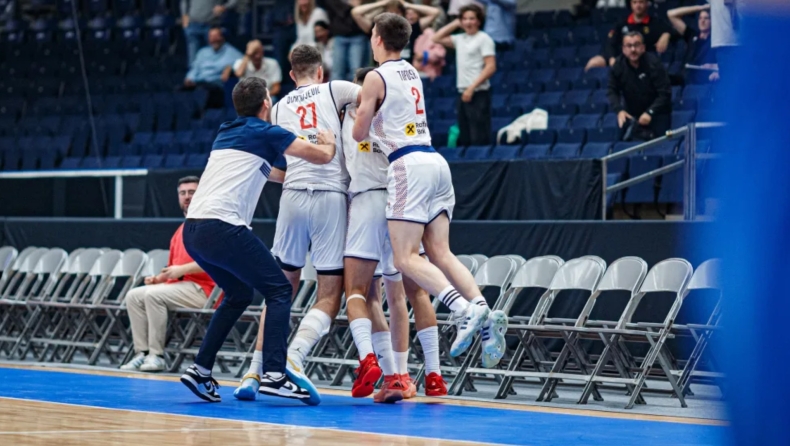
(148, 306)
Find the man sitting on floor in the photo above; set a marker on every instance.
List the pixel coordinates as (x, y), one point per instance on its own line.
(182, 284)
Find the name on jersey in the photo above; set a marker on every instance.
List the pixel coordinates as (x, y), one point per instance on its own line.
(307, 94)
(367, 147)
(413, 129)
(407, 75)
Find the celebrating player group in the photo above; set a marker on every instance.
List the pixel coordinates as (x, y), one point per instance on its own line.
(366, 193)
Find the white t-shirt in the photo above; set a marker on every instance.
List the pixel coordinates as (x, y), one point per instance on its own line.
(721, 29)
(469, 54)
(305, 32)
(270, 71)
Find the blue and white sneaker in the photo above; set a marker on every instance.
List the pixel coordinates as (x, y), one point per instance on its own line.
(296, 375)
(494, 338)
(468, 324)
(204, 386)
(248, 389)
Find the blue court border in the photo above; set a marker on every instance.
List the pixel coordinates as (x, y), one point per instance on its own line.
(428, 420)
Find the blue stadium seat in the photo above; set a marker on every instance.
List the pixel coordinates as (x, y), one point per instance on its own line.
(202, 141)
(558, 122)
(71, 163)
(181, 142)
(664, 148)
(92, 162)
(622, 145)
(474, 153)
(585, 121)
(566, 53)
(533, 151)
(681, 118)
(444, 108)
(570, 74)
(29, 159)
(603, 134)
(671, 183)
(565, 151)
(586, 35)
(499, 105)
(572, 135)
(451, 153)
(131, 162)
(547, 137)
(677, 92)
(698, 92)
(563, 109)
(505, 152)
(47, 159)
(153, 161)
(174, 161)
(544, 100)
(577, 97)
(594, 108)
(161, 143)
(519, 104)
(609, 120)
(11, 159)
(684, 104)
(644, 192)
(600, 74)
(543, 75)
(557, 86)
(561, 36)
(596, 149)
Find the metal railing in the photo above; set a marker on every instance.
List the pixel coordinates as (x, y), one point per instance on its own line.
(689, 162)
(118, 174)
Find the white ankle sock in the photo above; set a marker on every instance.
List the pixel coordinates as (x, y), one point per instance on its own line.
(257, 363)
(429, 340)
(360, 330)
(382, 346)
(401, 362)
(202, 370)
(314, 325)
(479, 300)
(453, 299)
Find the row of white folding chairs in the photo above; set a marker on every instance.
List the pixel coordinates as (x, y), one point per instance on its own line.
(591, 274)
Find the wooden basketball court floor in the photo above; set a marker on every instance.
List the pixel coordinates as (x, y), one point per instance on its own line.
(46, 406)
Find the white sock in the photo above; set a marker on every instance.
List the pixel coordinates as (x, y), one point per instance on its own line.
(314, 325)
(203, 371)
(360, 330)
(479, 300)
(429, 339)
(401, 362)
(257, 363)
(453, 299)
(382, 346)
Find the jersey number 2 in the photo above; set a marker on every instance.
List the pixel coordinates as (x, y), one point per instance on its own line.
(416, 93)
(302, 111)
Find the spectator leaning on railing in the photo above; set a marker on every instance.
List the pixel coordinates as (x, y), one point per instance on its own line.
(254, 64)
(197, 17)
(182, 284)
(698, 52)
(209, 70)
(639, 80)
(475, 56)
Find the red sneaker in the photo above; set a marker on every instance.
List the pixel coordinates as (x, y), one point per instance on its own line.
(435, 385)
(410, 390)
(368, 373)
(391, 391)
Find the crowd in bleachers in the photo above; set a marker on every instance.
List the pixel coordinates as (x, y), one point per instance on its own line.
(148, 113)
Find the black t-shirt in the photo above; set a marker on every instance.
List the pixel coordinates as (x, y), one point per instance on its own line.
(698, 51)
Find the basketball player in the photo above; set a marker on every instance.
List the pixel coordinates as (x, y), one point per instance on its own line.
(313, 207)
(217, 236)
(368, 245)
(420, 191)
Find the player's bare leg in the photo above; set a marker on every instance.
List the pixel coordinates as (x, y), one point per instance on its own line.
(393, 388)
(436, 242)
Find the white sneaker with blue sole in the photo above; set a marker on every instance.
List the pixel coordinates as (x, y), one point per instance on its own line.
(248, 389)
(468, 323)
(494, 338)
(300, 379)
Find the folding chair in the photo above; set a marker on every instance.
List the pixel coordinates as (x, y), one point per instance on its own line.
(671, 275)
(625, 274)
(21, 270)
(469, 262)
(481, 259)
(182, 329)
(7, 256)
(157, 260)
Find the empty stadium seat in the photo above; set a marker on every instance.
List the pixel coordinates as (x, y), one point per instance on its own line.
(533, 151)
(644, 192)
(542, 137)
(565, 150)
(473, 153)
(596, 149)
(572, 136)
(505, 152)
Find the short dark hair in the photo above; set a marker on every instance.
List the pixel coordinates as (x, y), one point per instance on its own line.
(322, 24)
(189, 179)
(248, 96)
(359, 76)
(634, 34)
(481, 15)
(305, 61)
(393, 29)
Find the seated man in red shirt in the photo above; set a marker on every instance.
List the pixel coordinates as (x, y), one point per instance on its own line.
(183, 284)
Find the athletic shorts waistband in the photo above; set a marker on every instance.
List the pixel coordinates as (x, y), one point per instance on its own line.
(403, 151)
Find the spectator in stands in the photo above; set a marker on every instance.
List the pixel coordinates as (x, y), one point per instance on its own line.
(197, 18)
(725, 23)
(501, 22)
(475, 56)
(307, 14)
(325, 44)
(182, 284)
(419, 16)
(698, 52)
(254, 64)
(350, 43)
(209, 67)
(640, 80)
(454, 7)
(654, 30)
(429, 56)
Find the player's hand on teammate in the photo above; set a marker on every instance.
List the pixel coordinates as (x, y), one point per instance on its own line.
(467, 95)
(326, 137)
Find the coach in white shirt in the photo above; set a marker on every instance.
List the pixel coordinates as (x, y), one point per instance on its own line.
(253, 64)
(475, 54)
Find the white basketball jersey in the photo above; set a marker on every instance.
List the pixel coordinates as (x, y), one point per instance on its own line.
(401, 120)
(304, 112)
(365, 160)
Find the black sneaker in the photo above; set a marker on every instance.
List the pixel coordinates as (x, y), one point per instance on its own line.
(282, 387)
(204, 386)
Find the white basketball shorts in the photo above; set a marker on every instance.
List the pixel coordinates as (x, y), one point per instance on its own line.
(313, 221)
(368, 237)
(419, 187)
